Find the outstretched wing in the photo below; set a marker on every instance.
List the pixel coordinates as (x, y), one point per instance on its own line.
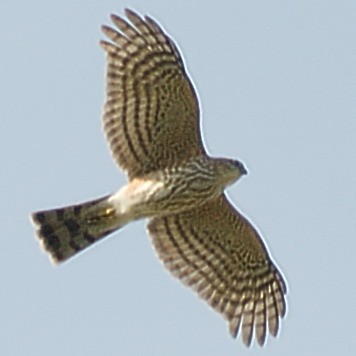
(151, 116)
(218, 253)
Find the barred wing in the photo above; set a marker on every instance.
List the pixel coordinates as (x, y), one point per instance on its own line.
(218, 253)
(151, 115)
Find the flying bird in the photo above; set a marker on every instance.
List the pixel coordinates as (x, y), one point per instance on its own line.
(152, 124)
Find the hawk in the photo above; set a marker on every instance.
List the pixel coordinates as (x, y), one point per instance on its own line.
(151, 121)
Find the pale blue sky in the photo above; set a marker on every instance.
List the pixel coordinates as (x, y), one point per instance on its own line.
(277, 85)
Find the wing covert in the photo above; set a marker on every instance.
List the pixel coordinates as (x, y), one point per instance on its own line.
(151, 114)
(218, 253)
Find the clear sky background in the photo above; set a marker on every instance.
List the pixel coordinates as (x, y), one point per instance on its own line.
(277, 85)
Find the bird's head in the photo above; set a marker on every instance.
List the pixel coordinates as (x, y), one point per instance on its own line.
(229, 170)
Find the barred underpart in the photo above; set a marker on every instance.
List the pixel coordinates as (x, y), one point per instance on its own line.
(217, 252)
(152, 124)
(151, 115)
(64, 232)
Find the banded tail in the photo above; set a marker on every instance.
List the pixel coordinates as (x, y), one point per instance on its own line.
(66, 231)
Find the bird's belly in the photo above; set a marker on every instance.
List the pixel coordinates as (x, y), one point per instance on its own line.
(150, 197)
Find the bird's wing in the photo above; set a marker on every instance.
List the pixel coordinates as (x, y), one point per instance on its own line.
(151, 114)
(217, 252)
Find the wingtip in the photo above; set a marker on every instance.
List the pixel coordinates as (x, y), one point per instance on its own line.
(115, 18)
(234, 326)
(130, 12)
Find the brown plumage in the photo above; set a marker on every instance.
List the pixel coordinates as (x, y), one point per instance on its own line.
(218, 253)
(151, 121)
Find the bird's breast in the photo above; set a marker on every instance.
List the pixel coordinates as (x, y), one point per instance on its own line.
(168, 191)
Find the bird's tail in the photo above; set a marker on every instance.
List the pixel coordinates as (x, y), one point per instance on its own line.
(66, 231)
